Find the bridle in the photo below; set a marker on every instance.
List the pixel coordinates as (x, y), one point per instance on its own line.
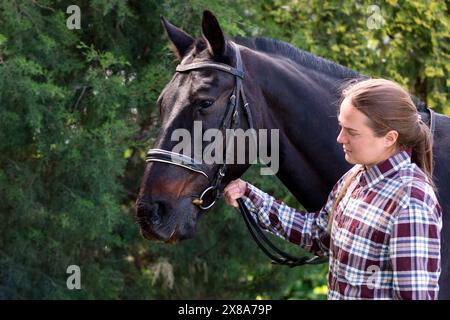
(231, 121)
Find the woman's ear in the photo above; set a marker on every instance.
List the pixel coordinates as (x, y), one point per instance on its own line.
(390, 139)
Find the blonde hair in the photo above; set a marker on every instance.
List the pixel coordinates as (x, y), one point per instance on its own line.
(389, 107)
(339, 197)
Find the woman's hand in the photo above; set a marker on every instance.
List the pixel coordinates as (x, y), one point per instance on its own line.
(234, 190)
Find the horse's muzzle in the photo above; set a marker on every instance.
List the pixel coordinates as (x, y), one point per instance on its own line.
(150, 216)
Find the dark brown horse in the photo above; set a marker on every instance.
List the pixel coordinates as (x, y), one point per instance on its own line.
(287, 89)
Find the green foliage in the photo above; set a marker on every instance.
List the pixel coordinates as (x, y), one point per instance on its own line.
(406, 41)
(78, 109)
(65, 122)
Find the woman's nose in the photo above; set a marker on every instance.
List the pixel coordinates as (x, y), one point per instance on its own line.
(341, 137)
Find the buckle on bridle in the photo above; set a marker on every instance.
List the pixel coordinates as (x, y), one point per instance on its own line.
(199, 201)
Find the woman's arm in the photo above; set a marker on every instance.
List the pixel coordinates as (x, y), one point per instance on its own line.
(306, 229)
(414, 248)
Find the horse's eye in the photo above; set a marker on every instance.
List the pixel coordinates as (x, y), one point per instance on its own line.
(205, 104)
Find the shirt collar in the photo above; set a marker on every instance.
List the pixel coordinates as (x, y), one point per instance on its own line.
(371, 176)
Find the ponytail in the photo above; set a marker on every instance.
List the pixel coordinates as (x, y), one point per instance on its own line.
(422, 154)
(340, 195)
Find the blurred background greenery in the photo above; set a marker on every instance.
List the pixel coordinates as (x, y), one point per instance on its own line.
(77, 111)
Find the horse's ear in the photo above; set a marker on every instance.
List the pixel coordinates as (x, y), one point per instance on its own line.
(181, 40)
(213, 34)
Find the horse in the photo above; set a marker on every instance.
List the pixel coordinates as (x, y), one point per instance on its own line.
(287, 89)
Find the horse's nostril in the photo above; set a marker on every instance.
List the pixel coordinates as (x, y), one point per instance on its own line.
(155, 218)
(150, 214)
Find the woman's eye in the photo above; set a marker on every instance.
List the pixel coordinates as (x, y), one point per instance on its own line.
(205, 104)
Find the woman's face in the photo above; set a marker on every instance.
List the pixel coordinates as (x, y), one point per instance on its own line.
(360, 144)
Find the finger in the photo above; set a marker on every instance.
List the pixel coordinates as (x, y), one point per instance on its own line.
(229, 199)
(232, 189)
(236, 195)
(229, 186)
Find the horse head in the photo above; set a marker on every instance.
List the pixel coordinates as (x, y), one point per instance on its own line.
(173, 197)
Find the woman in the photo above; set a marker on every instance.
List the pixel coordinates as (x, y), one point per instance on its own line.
(380, 225)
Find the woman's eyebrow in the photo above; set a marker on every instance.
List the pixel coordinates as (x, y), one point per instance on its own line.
(351, 129)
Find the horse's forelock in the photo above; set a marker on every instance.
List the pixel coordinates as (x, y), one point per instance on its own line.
(201, 52)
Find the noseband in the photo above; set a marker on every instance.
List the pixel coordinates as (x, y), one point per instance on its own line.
(230, 121)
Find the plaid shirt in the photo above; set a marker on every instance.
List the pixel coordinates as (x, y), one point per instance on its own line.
(385, 239)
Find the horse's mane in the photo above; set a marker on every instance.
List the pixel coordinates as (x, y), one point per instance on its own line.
(304, 58)
(277, 47)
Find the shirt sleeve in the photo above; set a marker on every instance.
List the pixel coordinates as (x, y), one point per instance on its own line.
(414, 248)
(306, 229)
